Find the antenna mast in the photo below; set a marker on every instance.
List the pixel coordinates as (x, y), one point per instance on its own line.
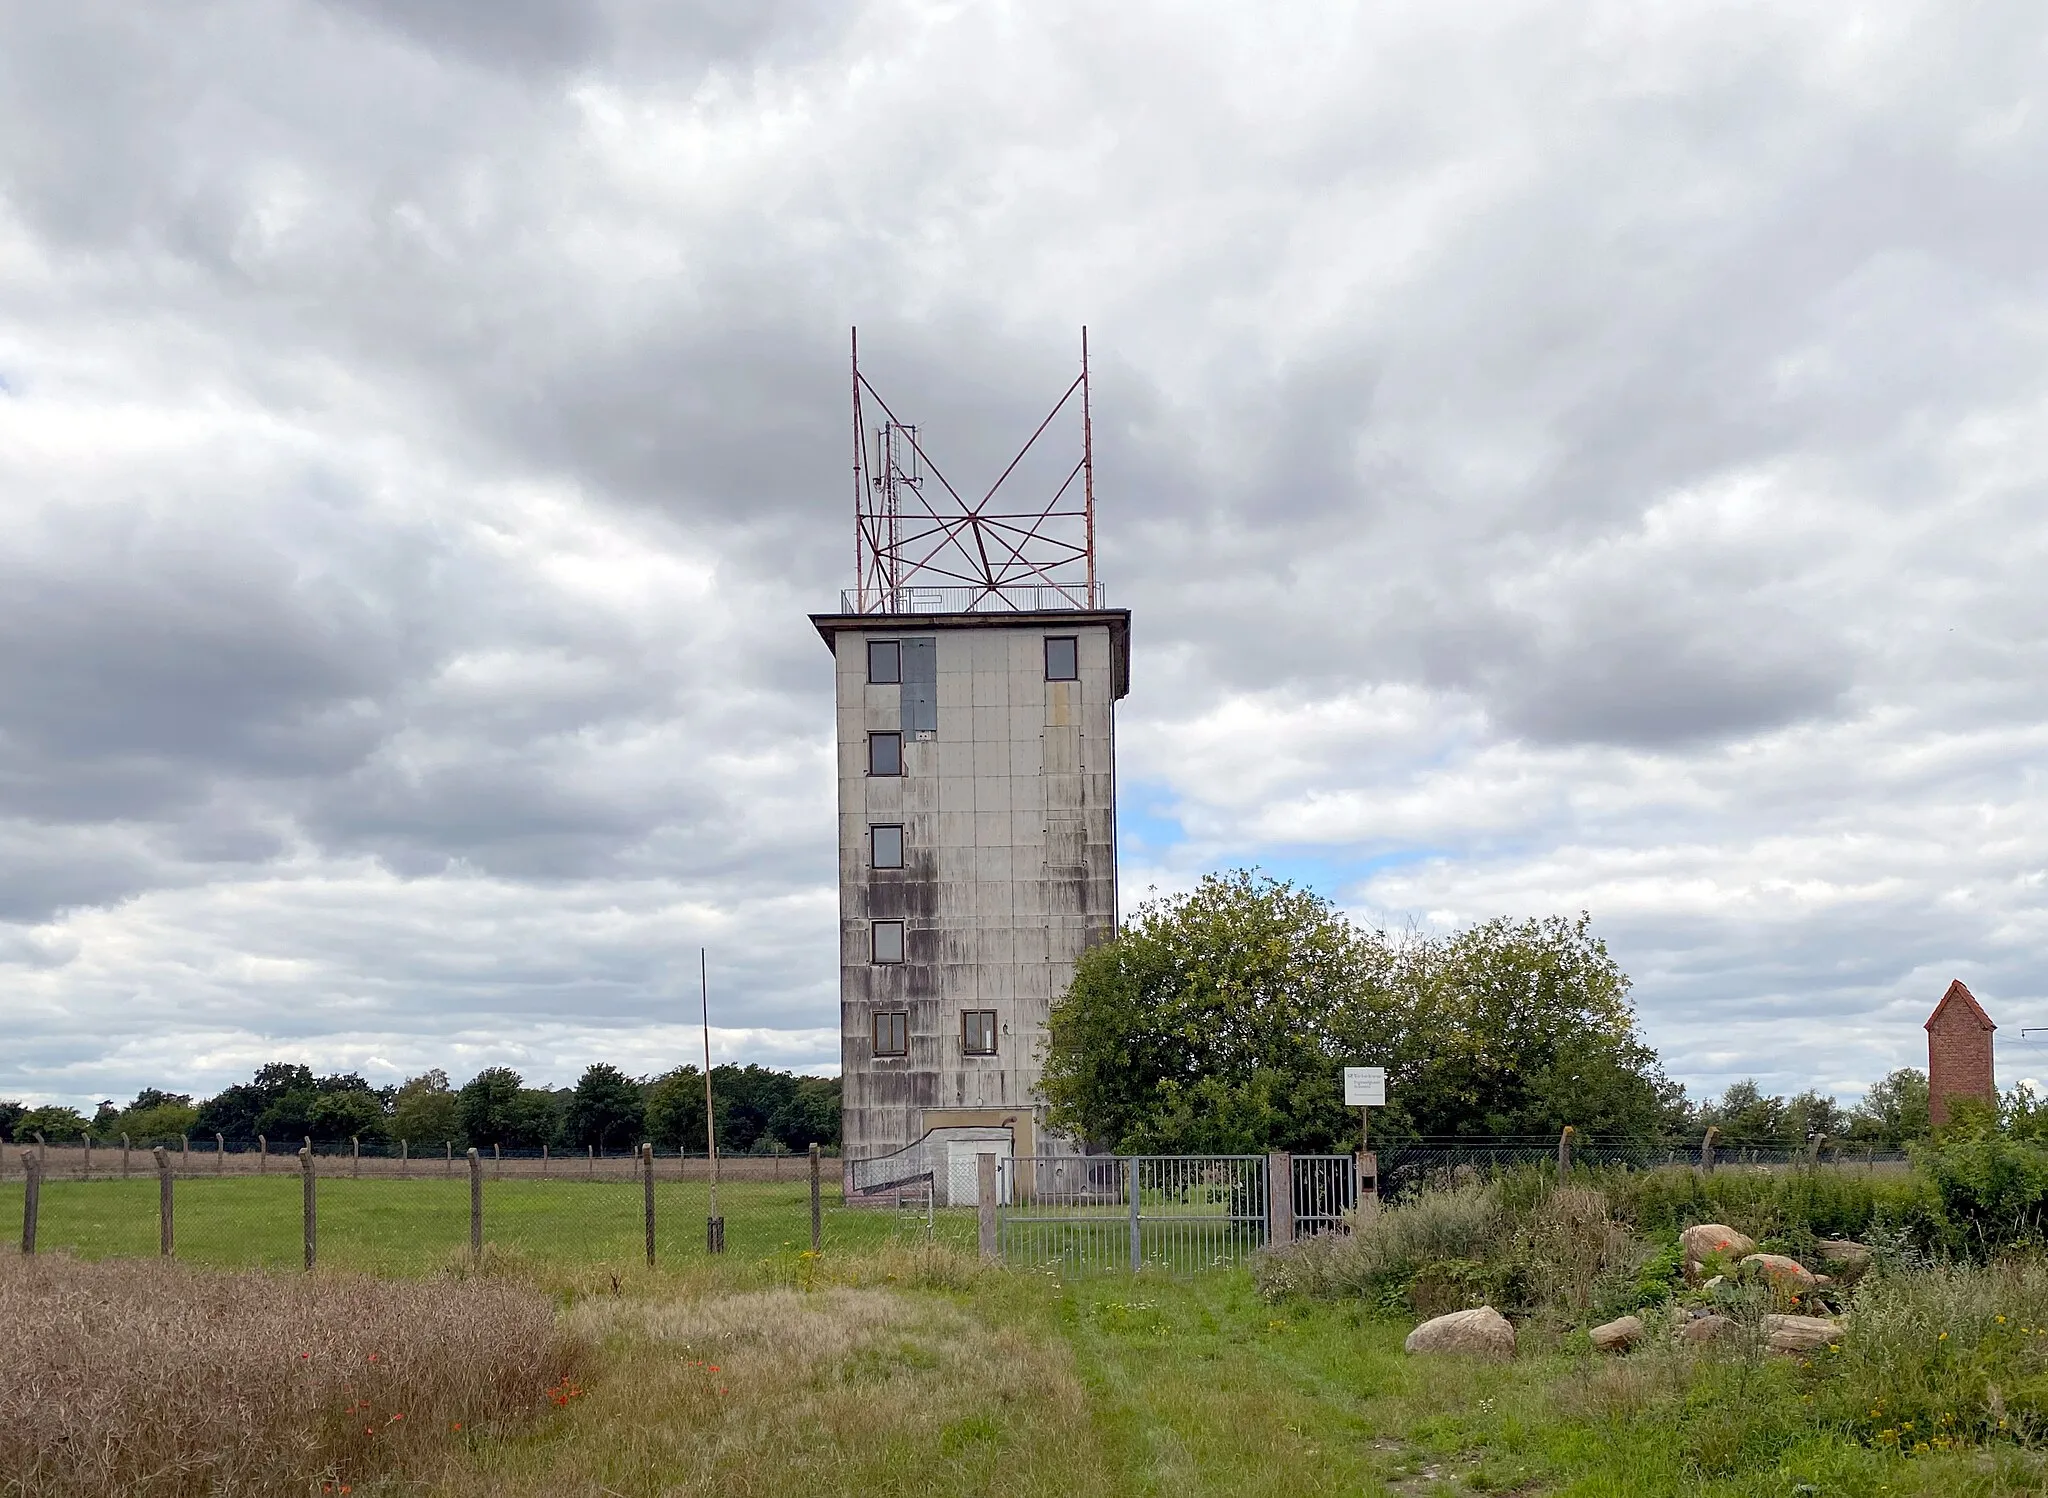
(920, 546)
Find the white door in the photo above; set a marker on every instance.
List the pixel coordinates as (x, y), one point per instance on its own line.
(963, 1178)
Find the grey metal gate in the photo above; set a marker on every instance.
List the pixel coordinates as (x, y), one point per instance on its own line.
(1325, 1192)
(1166, 1212)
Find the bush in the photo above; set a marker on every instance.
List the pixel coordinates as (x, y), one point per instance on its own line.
(1793, 1207)
(1993, 1190)
(1381, 1253)
(1945, 1355)
(144, 1379)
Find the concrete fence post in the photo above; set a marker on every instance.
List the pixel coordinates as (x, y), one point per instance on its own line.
(85, 1174)
(125, 1147)
(312, 1214)
(647, 1197)
(1713, 1135)
(497, 1163)
(185, 1153)
(1564, 1151)
(985, 1196)
(42, 1152)
(220, 1154)
(543, 1160)
(448, 1163)
(31, 1200)
(404, 1158)
(817, 1213)
(590, 1155)
(1279, 1197)
(355, 1156)
(1814, 1147)
(166, 1233)
(262, 1155)
(476, 1207)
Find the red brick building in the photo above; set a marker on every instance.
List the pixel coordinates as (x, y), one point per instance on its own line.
(1958, 1052)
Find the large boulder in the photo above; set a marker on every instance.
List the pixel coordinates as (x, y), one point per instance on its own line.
(1783, 1273)
(1845, 1258)
(1800, 1334)
(1481, 1333)
(1706, 1238)
(1618, 1335)
(1708, 1328)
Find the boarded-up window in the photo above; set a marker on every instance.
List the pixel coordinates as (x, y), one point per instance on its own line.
(921, 689)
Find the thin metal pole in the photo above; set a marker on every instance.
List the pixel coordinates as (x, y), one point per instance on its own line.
(714, 1227)
(1131, 1179)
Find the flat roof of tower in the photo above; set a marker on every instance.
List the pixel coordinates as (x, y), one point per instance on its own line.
(829, 627)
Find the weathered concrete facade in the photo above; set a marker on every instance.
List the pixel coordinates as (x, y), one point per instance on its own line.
(1005, 797)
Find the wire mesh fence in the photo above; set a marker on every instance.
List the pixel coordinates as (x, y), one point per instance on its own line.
(609, 1211)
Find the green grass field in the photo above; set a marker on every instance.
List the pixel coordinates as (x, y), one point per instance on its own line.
(406, 1227)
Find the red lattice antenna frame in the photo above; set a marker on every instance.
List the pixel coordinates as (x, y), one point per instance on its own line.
(919, 553)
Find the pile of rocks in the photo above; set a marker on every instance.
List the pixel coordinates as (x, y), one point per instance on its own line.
(1484, 1332)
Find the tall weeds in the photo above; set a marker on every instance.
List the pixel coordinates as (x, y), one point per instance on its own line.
(156, 1381)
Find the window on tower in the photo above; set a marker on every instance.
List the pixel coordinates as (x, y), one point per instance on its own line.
(1062, 658)
(885, 754)
(885, 941)
(885, 662)
(892, 1033)
(978, 1032)
(885, 847)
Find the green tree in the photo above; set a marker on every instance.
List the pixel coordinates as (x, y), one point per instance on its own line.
(1893, 1112)
(11, 1113)
(809, 1114)
(496, 1107)
(275, 1102)
(1216, 1023)
(345, 1113)
(158, 1118)
(607, 1110)
(1522, 1027)
(1219, 1021)
(424, 1113)
(675, 1109)
(53, 1121)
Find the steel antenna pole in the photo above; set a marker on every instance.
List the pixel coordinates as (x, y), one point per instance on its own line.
(714, 1227)
(1088, 463)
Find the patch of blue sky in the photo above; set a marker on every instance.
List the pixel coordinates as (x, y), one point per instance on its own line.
(1151, 833)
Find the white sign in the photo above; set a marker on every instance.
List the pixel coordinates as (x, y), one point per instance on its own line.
(1365, 1087)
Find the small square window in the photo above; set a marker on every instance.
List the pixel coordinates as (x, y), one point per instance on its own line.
(885, 754)
(885, 662)
(885, 941)
(978, 1032)
(1062, 658)
(885, 847)
(892, 1033)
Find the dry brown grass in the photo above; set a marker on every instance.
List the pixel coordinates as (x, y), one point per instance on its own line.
(786, 1392)
(147, 1379)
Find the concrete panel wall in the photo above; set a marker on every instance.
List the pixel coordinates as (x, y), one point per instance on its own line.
(1009, 820)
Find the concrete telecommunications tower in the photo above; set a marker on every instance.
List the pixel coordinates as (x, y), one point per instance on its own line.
(977, 678)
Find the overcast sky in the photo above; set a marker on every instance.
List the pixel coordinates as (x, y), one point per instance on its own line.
(1558, 455)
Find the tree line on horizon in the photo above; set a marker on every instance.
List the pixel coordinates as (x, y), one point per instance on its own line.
(759, 1111)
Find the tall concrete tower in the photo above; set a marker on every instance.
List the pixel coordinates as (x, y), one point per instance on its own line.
(977, 673)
